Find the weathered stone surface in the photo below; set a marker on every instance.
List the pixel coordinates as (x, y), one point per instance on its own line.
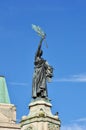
(8, 117)
(40, 117)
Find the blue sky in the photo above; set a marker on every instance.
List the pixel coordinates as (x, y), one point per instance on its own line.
(65, 25)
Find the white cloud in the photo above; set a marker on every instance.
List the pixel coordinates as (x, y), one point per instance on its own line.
(73, 78)
(78, 124)
(18, 84)
(74, 127)
(80, 120)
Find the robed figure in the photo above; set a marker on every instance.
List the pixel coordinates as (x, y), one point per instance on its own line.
(43, 72)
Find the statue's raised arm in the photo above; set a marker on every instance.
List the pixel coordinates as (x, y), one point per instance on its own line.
(42, 34)
(39, 50)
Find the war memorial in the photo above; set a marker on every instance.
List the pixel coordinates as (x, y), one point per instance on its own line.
(40, 116)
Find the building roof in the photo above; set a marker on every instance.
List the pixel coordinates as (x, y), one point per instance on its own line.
(4, 96)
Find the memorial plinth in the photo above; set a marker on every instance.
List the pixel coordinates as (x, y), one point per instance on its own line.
(40, 117)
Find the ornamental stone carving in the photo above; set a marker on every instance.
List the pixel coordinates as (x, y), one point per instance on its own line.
(52, 126)
(29, 128)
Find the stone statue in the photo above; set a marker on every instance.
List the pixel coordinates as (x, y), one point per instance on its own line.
(43, 72)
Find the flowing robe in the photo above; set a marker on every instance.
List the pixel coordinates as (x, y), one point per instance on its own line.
(39, 80)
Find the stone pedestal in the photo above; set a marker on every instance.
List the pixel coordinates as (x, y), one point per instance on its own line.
(8, 117)
(40, 117)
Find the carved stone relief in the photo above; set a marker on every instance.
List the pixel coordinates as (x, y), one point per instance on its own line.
(29, 128)
(52, 126)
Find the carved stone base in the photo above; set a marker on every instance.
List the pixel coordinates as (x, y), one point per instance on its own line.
(40, 117)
